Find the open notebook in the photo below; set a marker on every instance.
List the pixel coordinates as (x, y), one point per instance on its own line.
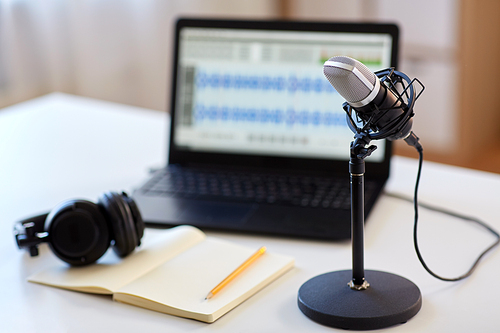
(174, 274)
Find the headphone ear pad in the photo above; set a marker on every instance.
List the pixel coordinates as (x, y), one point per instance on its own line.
(78, 232)
(123, 231)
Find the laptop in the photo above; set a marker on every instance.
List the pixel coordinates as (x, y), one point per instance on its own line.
(258, 137)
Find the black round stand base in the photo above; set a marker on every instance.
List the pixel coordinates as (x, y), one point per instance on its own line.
(390, 300)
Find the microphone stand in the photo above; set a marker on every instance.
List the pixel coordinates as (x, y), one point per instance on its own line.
(357, 173)
(332, 300)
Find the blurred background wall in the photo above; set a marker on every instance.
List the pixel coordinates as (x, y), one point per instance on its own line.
(120, 50)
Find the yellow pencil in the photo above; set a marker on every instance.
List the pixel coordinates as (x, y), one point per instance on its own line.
(236, 272)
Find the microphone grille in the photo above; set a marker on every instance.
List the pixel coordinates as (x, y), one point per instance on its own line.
(348, 85)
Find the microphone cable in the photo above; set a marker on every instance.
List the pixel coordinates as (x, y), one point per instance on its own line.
(447, 212)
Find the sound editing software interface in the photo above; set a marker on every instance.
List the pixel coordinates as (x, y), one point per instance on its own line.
(264, 93)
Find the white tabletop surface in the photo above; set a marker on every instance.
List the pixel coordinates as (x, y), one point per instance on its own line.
(59, 146)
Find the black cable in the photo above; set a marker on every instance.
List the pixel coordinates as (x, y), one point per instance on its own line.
(444, 211)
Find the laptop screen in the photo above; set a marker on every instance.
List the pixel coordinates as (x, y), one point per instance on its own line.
(262, 91)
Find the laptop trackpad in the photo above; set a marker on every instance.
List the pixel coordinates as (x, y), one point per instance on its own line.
(215, 213)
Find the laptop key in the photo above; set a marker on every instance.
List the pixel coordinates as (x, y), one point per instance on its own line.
(320, 192)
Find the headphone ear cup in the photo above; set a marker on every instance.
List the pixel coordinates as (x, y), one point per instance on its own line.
(78, 232)
(136, 215)
(121, 221)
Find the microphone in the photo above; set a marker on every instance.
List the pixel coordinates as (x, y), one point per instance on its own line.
(382, 111)
(379, 105)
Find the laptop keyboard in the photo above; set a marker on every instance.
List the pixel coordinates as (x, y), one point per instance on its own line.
(295, 190)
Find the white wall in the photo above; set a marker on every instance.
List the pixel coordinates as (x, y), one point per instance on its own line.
(117, 50)
(429, 52)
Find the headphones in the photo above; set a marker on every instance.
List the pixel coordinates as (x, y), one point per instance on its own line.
(79, 231)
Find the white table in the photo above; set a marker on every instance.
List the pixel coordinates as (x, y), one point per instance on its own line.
(60, 146)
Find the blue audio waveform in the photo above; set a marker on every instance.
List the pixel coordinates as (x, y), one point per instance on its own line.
(289, 117)
(275, 83)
